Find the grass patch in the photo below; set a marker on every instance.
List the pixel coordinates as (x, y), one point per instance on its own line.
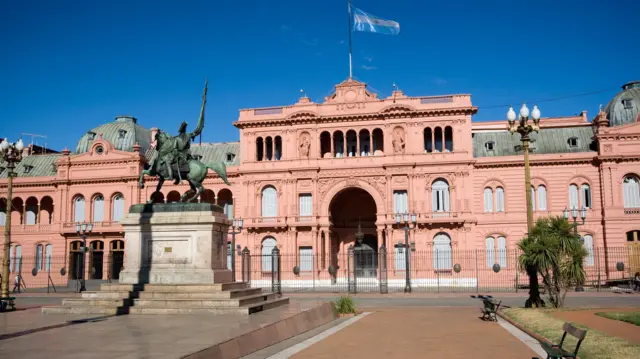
(345, 305)
(629, 317)
(596, 345)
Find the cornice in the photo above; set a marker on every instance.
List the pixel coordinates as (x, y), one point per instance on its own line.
(537, 162)
(308, 119)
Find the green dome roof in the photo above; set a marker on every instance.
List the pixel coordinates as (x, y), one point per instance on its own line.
(123, 133)
(624, 108)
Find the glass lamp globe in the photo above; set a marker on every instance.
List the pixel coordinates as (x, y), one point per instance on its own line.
(19, 145)
(524, 111)
(511, 114)
(535, 113)
(4, 144)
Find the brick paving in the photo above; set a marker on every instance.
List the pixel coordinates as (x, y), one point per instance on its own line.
(420, 332)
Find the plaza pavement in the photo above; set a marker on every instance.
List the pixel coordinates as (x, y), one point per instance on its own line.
(399, 326)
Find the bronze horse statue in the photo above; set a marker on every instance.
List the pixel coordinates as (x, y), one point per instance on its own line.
(173, 161)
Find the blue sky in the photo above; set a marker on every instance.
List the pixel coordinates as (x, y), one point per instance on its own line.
(68, 66)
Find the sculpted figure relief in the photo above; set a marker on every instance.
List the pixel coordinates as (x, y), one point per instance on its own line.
(303, 147)
(172, 159)
(398, 140)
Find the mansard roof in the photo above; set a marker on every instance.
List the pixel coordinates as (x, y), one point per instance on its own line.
(547, 141)
(624, 107)
(33, 166)
(123, 133)
(218, 152)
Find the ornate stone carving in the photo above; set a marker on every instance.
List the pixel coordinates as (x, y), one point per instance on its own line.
(608, 148)
(304, 145)
(398, 140)
(324, 184)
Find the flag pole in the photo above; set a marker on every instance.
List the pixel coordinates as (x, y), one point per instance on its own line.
(350, 62)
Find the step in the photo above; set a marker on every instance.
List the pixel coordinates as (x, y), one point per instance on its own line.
(203, 303)
(217, 287)
(82, 302)
(243, 310)
(109, 295)
(228, 294)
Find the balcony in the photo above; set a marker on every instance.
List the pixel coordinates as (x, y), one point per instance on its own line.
(265, 222)
(31, 228)
(632, 212)
(98, 227)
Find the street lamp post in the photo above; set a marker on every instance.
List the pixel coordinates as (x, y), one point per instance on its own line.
(236, 228)
(83, 229)
(409, 221)
(12, 155)
(574, 215)
(525, 128)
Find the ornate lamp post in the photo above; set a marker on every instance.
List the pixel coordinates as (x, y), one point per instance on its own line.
(12, 155)
(83, 229)
(236, 228)
(525, 128)
(574, 215)
(409, 221)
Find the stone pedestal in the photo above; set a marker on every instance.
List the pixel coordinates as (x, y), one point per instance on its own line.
(175, 243)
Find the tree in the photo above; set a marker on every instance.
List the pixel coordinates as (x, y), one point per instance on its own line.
(557, 255)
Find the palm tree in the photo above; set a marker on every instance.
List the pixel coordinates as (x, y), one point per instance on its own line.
(552, 250)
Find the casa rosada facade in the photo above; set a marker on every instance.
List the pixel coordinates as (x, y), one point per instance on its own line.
(305, 177)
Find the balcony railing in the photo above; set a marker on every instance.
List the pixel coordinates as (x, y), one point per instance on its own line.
(632, 211)
(29, 228)
(103, 226)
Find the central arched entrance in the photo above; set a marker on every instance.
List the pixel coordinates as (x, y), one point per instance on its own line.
(353, 220)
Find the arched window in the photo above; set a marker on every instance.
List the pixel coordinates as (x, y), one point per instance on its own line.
(78, 209)
(269, 202)
(268, 244)
(438, 139)
(630, 191)
(117, 211)
(488, 200)
(502, 252)
(98, 208)
(448, 139)
(48, 252)
(269, 148)
(442, 252)
(428, 140)
(587, 243)
(3, 218)
(499, 199)
(338, 144)
(440, 196)
(259, 149)
(39, 249)
(490, 245)
(278, 147)
(573, 196)
(585, 196)
(533, 198)
(542, 198)
(31, 210)
(18, 259)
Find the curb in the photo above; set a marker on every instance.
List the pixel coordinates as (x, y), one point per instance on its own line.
(527, 331)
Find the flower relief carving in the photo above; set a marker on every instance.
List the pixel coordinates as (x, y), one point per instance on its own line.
(351, 182)
(608, 148)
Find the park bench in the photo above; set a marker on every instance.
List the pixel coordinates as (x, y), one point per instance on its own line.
(490, 309)
(556, 351)
(7, 303)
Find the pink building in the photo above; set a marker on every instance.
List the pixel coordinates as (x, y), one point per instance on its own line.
(305, 175)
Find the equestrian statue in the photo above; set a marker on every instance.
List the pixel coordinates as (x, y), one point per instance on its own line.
(172, 159)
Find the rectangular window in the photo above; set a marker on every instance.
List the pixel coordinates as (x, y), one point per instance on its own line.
(586, 196)
(399, 257)
(400, 202)
(488, 200)
(306, 259)
(305, 206)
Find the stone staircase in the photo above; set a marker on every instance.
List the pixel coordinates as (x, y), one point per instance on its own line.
(223, 298)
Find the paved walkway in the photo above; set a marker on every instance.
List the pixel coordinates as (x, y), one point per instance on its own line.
(626, 331)
(420, 333)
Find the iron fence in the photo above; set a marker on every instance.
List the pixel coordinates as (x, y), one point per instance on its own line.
(52, 272)
(429, 271)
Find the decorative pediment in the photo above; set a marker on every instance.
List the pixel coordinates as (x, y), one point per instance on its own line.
(626, 130)
(302, 114)
(351, 91)
(396, 107)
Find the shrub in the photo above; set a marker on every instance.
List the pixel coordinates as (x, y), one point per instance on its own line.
(345, 305)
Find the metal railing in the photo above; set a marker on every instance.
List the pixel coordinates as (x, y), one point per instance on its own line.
(437, 271)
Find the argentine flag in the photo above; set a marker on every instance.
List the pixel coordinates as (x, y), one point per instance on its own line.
(367, 22)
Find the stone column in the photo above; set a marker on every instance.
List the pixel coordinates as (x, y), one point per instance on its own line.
(333, 152)
(371, 143)
(357, 143)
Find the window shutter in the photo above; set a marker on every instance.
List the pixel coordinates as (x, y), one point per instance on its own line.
(631, 193)
(267, 247)
(502, 252)
(488, 200)
(400, 200)
(500, 199)
(78, 210)
(586, 196)
(399, 257)
(542, 198)
(588, 246)
(533, 198)
(48, 250)
(98, 209)
(118, 208)
(489, 247)
(306, 259)
(573, 196)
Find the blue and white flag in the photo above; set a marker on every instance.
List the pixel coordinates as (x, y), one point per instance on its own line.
(367, 22)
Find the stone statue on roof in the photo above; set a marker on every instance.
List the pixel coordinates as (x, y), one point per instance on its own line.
(172, 159)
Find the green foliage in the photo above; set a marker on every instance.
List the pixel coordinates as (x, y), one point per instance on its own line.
(557, 253)
(629, 317)
(345, 305)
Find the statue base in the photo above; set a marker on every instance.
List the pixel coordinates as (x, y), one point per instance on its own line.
(175, 243)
